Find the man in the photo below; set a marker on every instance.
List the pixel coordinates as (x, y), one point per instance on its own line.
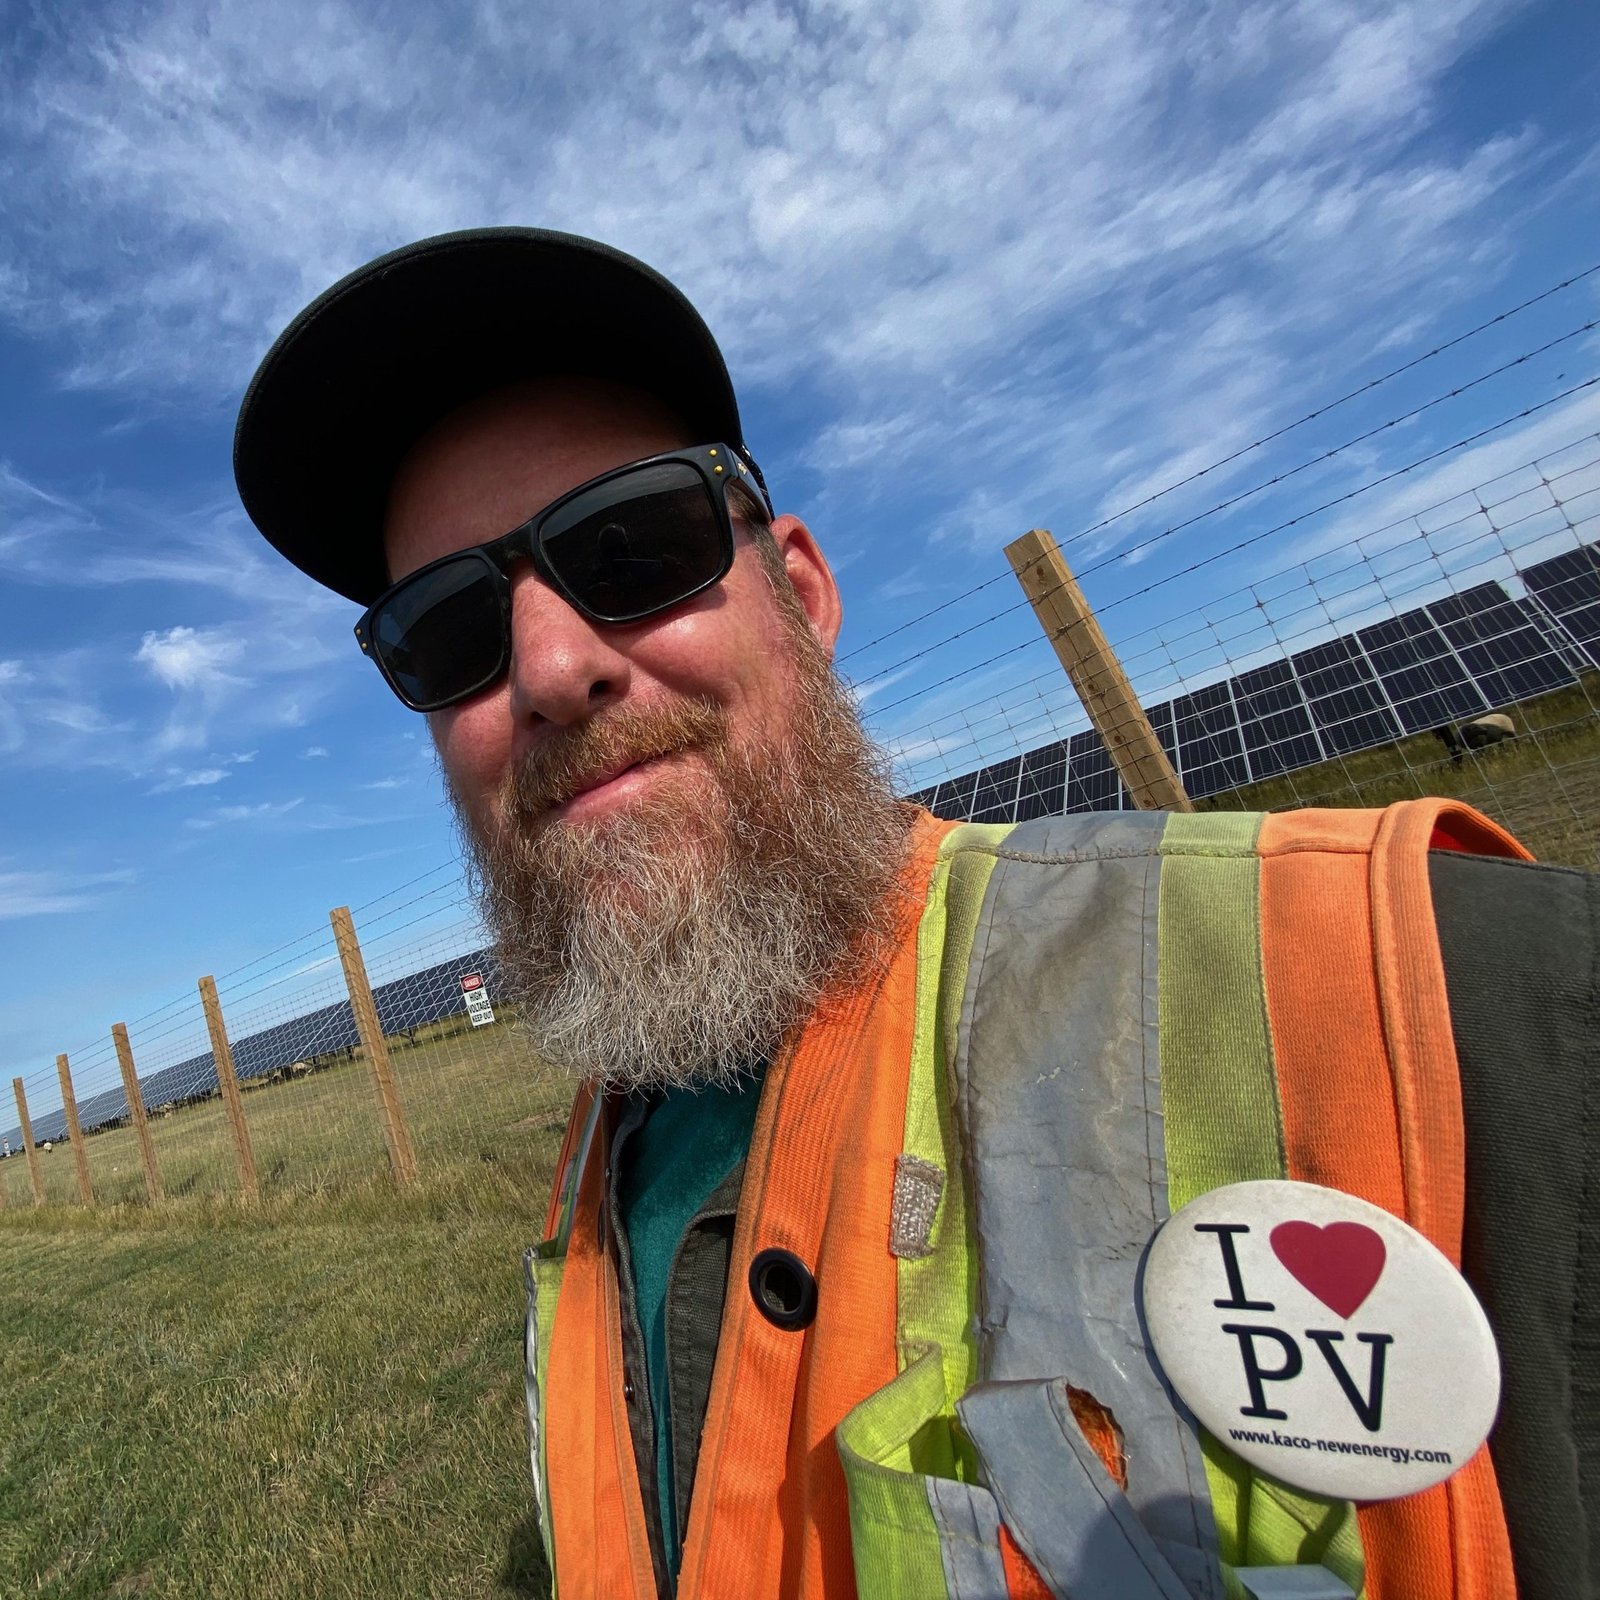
(841, 1285)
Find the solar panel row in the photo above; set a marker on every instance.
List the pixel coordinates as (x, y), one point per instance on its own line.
(409, 1002)
(1451, 659)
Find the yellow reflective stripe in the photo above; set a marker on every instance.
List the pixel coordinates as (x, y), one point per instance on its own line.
(1219, 1092)
(1224, 1124)
(894, 1538)
(899, 1438)
(937, 1294)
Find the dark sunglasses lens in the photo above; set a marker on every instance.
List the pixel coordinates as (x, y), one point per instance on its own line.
(639, 543)
(441, 636)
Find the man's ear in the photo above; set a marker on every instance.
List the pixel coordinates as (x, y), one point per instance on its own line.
(811, 578)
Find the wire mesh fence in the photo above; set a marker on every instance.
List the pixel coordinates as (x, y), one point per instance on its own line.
(311, 1115)
(1454, 652)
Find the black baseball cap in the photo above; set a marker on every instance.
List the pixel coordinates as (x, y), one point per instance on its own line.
(368, 367)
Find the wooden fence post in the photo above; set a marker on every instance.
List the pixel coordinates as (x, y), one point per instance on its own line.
(222, 1055)
(27, 1142)
(80, 1156)
(1096, 673)
(141, 1124)
(402, 1158)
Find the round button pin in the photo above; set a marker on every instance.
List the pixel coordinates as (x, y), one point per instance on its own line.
(1321, 1339)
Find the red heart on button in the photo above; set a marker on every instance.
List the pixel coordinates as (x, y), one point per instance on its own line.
(1340, 1264)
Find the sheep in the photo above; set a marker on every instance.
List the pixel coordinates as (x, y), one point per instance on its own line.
(1484, 731)
(1475, 735)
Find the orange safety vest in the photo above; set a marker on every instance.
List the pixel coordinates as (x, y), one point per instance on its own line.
(1299, 948)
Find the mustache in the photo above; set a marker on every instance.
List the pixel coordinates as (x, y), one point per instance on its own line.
(573, 759)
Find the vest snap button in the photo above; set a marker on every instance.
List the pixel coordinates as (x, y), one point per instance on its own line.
(783, 1289)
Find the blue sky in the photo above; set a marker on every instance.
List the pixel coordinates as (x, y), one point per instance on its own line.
(976, 266)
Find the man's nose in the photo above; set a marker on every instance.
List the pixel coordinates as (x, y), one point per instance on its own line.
(564, 668)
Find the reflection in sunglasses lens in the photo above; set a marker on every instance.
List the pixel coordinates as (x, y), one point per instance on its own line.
(626, 560)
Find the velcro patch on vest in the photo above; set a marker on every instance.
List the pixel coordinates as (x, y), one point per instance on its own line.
(918, 1187)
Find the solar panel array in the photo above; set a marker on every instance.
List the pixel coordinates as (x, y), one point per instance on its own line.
(1449, 660)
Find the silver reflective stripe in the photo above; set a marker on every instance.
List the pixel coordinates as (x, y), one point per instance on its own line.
(1293, 1583)
(1058, 1081)
(1073, 1523)
(969, 1540)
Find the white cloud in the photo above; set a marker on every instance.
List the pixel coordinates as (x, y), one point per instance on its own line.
(272, 663)
(1431, 494)
(186, 658)
(865, 693)
(314, 752)
(195, 664)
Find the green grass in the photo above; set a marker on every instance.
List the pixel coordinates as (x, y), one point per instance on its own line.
(316, 1396)
(1544, 786)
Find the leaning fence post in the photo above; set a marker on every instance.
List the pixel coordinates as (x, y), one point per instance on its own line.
(222, 1056)
(135, 1097)
(80, 1156)
(1096, 673)
(27, 1143)
(402, 1159)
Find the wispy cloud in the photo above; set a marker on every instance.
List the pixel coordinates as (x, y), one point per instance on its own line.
(230, 816)
(1430, 497)
(46, 893)
(200, 778)
(266, 666)
(937, 196)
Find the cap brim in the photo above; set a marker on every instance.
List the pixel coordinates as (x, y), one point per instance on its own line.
(374, 362)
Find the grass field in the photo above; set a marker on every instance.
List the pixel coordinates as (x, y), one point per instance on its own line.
(317, 1396)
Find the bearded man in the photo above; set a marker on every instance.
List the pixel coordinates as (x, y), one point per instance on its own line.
(842, 1283)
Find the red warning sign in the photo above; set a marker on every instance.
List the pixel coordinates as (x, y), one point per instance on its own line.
(477, 998)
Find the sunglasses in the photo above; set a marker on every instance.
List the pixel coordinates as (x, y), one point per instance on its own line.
(624, 546)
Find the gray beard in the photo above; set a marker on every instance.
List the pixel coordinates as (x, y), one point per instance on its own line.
(677, 944)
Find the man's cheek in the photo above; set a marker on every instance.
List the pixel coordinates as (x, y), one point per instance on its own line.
(474, 790)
